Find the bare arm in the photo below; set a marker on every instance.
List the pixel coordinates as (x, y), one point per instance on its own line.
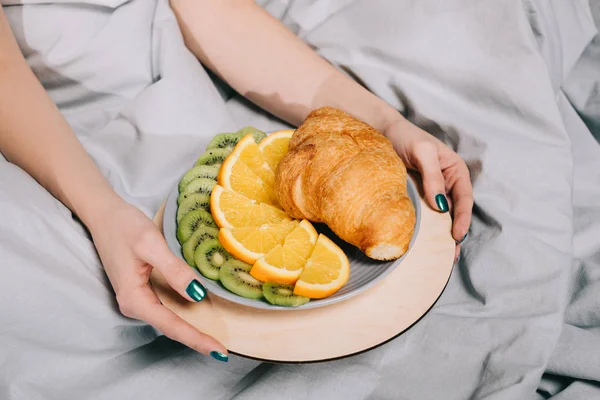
(35, 136)
(265, 62)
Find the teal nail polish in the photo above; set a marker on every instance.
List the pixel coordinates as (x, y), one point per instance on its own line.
(441, 202)
(195, 290)
(463, 239)
(219, 356)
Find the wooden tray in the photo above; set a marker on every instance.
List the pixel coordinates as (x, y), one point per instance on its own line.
(339, 330)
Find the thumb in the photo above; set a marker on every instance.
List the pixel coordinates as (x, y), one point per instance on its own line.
(178, 274)
(427, 162)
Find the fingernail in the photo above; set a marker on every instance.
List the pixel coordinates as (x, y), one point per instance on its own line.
(219, 356)
(441, 202)
(195, 290)
(463, 239)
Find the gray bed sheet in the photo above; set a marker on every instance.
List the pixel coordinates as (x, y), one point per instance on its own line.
(511, 85)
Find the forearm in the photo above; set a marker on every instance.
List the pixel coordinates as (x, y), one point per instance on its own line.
(35, 136)
(265, 62)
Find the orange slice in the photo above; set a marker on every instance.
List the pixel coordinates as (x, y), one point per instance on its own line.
(284, 263)
(247, 151)
(235, 175)
(249, 243)
(230, 209)
(326, 271)
(275, 146)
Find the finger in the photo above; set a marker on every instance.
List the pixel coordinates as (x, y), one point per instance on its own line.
(456, 253)
(450, 203)
(428, 164)
(146, 306)
(462, 196)
(177, 329)
(177, 273)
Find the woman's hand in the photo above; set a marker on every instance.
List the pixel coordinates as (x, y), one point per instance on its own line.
(446, 179)
(130, 245)
(128, 242)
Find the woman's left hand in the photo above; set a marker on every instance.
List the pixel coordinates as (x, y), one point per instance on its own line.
(130, 246)
(446, 178)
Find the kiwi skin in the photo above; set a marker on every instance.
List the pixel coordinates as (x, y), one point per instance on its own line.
(200, 235)
(190, 222)
(205, 263)
(213, 157)
(235, 276)
(282, 295)
(200, 171)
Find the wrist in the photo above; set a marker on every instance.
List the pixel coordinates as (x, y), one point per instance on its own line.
(394, 126)
(97, 207)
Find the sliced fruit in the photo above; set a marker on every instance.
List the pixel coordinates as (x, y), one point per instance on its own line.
(198, 185)
(247, 151)
(275, 146)
(235, 175)
(200, 171)
(209, 257)
(200, 235)
(256, 133)
(284, 263)
(282, 295)
(235, 277)
(249, 243)
(231, 209)
(325, 272)
(213, 157)
(224, 141)
(271, 267)
(191, 221)
(193, 201)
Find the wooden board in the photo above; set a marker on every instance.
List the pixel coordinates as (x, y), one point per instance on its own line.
(339, 330)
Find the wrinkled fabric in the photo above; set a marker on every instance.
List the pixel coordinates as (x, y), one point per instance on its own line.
(510, 85)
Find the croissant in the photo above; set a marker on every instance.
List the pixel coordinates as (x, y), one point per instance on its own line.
(342, 172)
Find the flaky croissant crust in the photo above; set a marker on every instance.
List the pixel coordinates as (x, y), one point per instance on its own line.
(342, 172)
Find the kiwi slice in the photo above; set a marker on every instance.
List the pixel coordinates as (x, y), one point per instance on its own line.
(213, 157)
(224, 141)
(282, 295)
(209, 257)
(191, 221)
(235, 276)
(198, 185)
(183, 196)
(193, 201)
(257, 133)
(200, 235)
(201, 171)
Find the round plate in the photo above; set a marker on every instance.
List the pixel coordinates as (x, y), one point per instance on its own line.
(364, 272)
(349, 327)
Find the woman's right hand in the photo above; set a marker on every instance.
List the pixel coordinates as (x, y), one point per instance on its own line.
(130, 245)
(446, 178)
